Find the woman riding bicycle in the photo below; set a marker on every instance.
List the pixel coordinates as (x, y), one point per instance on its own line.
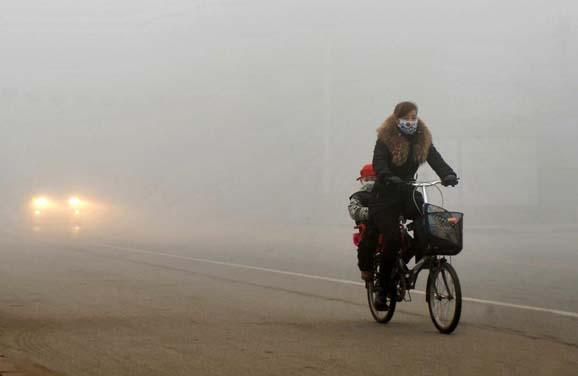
(403, 144)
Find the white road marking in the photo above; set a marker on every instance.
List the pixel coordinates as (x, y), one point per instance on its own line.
(329, 279)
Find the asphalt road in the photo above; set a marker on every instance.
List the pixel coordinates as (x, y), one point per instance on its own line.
(88, 307)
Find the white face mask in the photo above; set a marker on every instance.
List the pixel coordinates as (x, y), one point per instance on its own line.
(366, 181)
(408, 127)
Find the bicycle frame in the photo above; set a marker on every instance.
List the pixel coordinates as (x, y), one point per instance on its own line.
(408, 277)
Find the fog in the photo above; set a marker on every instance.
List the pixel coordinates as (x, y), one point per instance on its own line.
(186, 113)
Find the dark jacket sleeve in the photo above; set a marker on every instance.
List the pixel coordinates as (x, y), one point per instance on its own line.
(438, 164)
(381, 161)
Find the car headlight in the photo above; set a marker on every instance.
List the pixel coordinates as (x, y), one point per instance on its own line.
(74, 202)
(40, 203)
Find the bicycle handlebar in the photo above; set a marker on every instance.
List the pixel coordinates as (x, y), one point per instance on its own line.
(424, 183)
(421, 184)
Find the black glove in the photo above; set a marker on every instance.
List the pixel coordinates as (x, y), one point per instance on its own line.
(450, 180)
(394, 180)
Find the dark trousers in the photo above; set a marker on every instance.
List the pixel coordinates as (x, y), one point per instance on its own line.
(385, 210)
(367, 247)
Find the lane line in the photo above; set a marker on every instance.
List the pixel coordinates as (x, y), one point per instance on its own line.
(327, 279)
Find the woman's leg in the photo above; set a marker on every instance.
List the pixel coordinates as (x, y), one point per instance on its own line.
(412, 204)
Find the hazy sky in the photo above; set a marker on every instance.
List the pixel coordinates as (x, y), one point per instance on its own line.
(266, 110)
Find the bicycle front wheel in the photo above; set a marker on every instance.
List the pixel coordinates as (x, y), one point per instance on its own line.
(444, 297)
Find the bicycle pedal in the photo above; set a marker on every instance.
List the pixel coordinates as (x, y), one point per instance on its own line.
(407, 297)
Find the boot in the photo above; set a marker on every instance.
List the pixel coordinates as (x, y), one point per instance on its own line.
(380, 302)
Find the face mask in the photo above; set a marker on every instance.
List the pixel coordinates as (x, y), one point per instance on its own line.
(408, 127)
(365, 181)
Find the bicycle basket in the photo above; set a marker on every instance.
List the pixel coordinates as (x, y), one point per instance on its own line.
(440, 232)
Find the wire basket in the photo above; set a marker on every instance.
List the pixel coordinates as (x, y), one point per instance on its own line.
(440, 232)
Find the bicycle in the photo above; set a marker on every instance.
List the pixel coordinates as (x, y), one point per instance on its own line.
(440, 235)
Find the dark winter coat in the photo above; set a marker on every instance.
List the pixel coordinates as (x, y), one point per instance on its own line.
(396, 154)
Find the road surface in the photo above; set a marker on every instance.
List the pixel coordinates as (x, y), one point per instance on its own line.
(84, 307)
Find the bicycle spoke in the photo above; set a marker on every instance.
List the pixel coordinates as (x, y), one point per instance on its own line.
(446, 284)
(443, 297)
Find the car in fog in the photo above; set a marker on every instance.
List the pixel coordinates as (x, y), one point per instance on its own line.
(58, 214)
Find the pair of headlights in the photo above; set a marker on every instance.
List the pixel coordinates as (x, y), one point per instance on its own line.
(41, 202)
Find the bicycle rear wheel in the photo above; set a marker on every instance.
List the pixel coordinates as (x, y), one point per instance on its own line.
(444, 297)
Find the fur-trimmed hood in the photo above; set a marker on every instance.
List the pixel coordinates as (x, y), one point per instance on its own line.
(399, 145)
